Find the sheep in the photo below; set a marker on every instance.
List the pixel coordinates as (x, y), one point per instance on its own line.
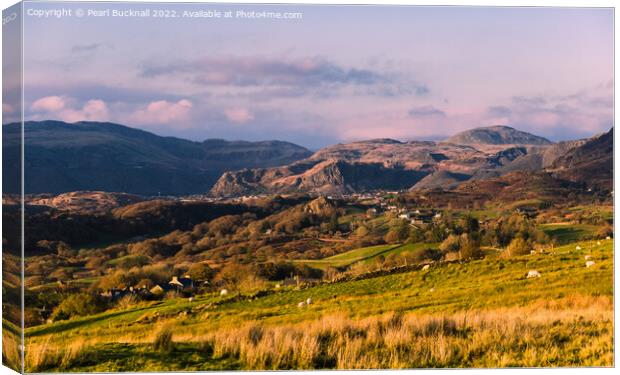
(426, 267)
(532, 274)
(608, 238)
(191, 299)
(532, 252)
(277, 286)
(308, 301)
(590, 263)
(223, 292)
(588, 257)
(598, 242)
(578, 247)
(301, 304)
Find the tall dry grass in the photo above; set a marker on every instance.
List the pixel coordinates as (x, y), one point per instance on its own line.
(578, 333)
(10, 350)
(572, 331)
(162, 342)
(42, 356)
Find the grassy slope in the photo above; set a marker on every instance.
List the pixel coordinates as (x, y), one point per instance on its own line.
(349, 257)
(365, 254)
(567, 232)
(119, 340)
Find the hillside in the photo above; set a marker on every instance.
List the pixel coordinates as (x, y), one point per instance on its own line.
(522, 185)
(590, 163)
(497, 135)
(62, 157)
(441, 179)
(452, 315)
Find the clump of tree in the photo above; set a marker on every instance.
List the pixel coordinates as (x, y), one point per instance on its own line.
(136, 276)
(239, 277)
(398, 232)
(501, 232)
(79, 305)
(518, 246)
(464, 246)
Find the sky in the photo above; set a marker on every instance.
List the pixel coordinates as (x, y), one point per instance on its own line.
(338, 74)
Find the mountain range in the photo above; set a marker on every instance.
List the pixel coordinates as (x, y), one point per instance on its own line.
(393, 165)
(62, 157)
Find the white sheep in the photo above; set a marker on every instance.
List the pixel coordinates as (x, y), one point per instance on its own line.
(223, 292)
(426, 267)
(588, 257)
(301, 304)
(309, 301)
(578, 247)
(608, 238)
(532, 274)
(532, 252)
(590, 263)
(191, 299)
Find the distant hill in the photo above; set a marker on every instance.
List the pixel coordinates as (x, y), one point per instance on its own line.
(62, 157)
(85, 201)
(497, 135)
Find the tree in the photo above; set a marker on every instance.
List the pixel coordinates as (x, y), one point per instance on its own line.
(391, 237)
(450, 244)
(200, 271)
(415, 235)
(469, 247)
(333, 223)
(465, 245)
(240, 277)
(518, 246)
(78, 305)
(399, 231)
(468, 224)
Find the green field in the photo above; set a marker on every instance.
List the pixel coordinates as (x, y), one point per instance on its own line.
(483, 313)
(365, 254)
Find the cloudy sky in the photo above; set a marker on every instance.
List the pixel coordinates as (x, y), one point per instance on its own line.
(340, 73)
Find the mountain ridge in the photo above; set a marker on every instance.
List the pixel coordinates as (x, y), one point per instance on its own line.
(90, 156)
(497, 135)
(62, 157)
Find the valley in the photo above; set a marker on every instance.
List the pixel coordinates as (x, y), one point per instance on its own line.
(495, 252)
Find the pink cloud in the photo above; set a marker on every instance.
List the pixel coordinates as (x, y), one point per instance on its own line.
(163, 112)
(63, 108)
(49, 104)
(239, 115)
(95, 110)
